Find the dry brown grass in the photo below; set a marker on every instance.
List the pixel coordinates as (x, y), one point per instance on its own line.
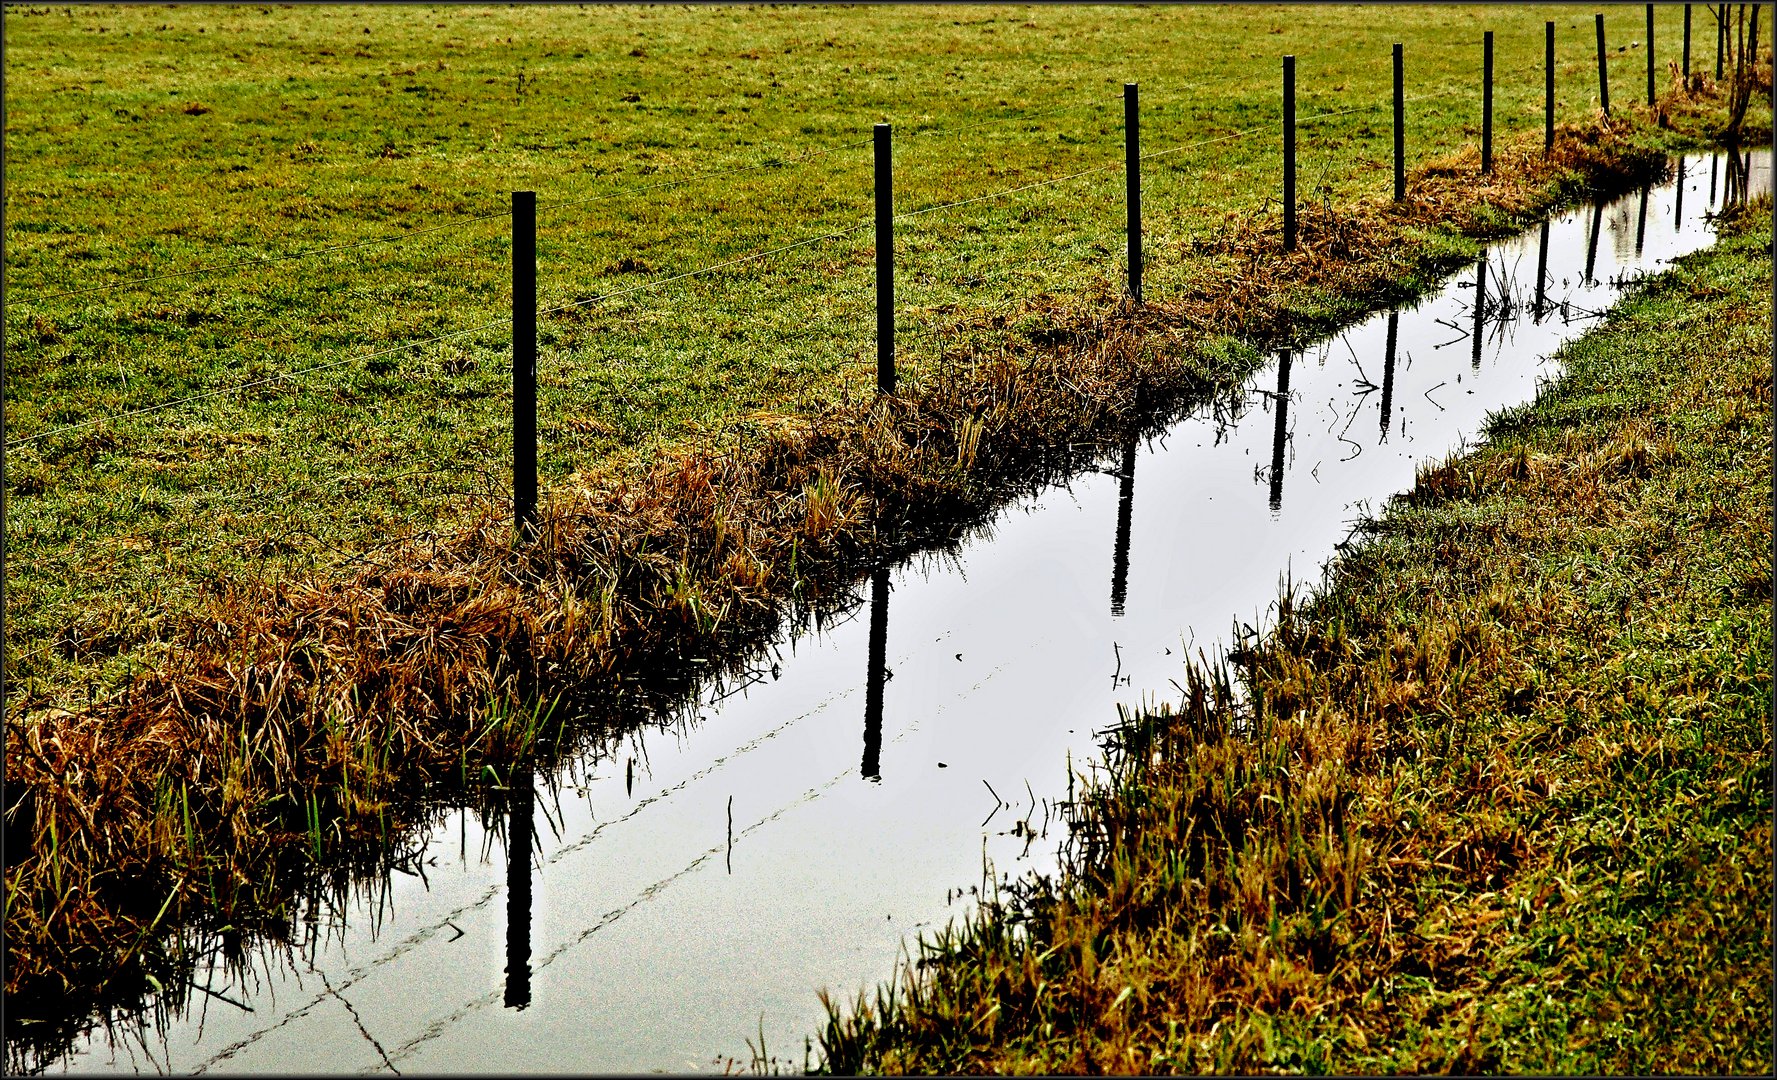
(294, 719)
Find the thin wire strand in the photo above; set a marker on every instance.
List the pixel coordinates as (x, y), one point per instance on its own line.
(648, 285)
(777, 162)
(1008, 191)
(283, 375)
(1098, 103)
(826, 298)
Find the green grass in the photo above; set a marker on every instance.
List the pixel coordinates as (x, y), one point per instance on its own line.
(1500, 801)
(144, 141)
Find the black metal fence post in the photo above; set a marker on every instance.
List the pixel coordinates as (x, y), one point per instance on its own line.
(1687, 44)
(1603, 76)
(1289, 153)
(524, 364)
(885, 263)
(1132, 182)
(1487, 102)
(1548, 87)
(1650, 56)
(1400, 125)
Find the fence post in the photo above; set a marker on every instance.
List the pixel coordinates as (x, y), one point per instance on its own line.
(1650, 56)
(524, 364)
(1603, 76)
(1132, 182)
(1548, 87)
(1487, 103)
(1289, 153)
(885, 264)
(1687, 45)
(1400, 125)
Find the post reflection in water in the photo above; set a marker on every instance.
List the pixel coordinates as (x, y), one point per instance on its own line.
(1480, 312)
(1714, 164)
(1592, 241)
(879, 590)
(1739, 172)
(1394, 327)
(1678, 210)
(1641, 221)
(1125, 507)
(519, 815)
(1281, 431)
(1542, 275)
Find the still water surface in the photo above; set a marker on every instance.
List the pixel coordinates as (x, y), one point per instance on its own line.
(697, 885)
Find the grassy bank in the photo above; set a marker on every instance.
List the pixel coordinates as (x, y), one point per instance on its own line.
(1496, 798)
(147, 141)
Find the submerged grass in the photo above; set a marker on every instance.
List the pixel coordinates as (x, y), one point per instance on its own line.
(1495, 798)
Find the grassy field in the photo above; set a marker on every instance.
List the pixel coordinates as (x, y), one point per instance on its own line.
(1500, 801)
(143, 142)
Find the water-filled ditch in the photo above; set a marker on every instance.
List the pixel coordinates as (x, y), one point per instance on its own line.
(699, 883)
